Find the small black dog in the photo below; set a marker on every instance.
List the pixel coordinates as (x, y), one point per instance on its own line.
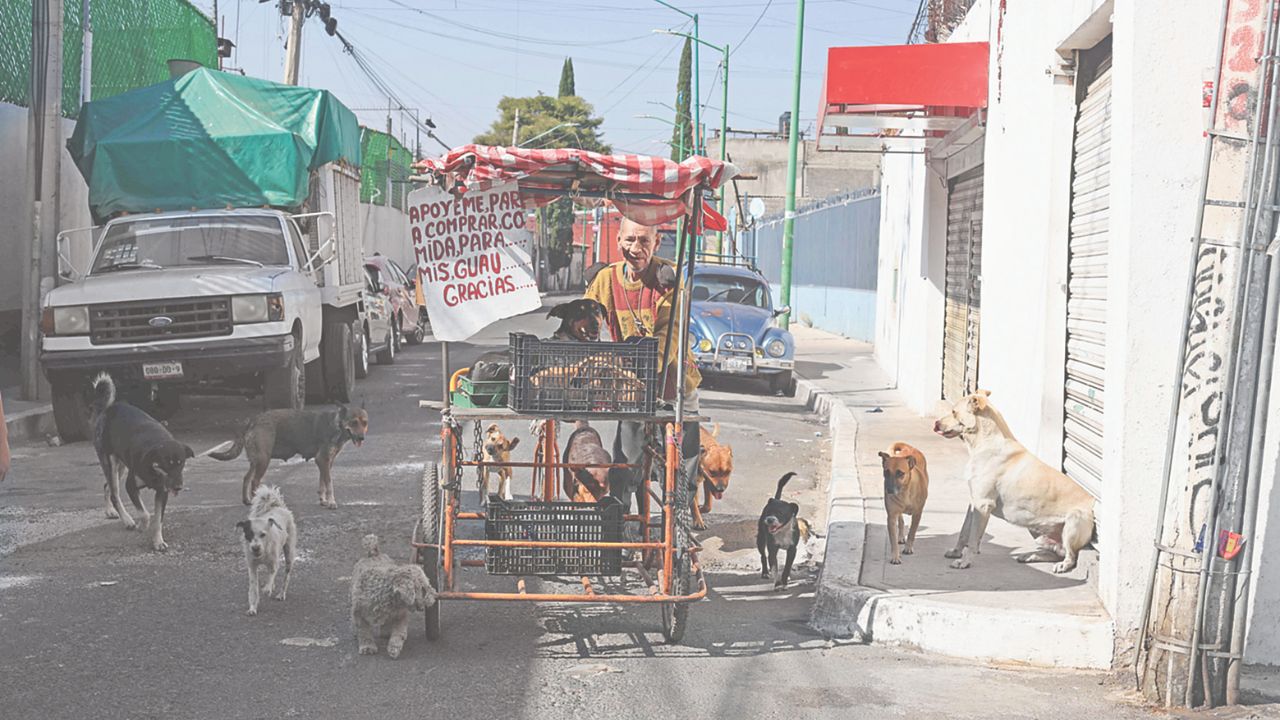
(579, 320)
(130, 441)
(779, 527)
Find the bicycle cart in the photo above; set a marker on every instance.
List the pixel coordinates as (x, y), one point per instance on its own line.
(645, 556)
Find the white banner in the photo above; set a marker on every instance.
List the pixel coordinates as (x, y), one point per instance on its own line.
(473, 253)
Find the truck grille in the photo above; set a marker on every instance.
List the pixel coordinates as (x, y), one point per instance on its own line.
(132, 322)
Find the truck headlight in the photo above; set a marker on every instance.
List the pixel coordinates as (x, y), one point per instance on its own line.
(775, 348)
(72, 320)
(257, 308)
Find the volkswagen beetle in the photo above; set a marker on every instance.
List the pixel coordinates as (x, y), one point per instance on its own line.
(734, 328)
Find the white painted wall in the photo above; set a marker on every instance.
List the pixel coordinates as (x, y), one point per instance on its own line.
(386, 230)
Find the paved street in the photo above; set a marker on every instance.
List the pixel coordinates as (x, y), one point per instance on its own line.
(97, 625)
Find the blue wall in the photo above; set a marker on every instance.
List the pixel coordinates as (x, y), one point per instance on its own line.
(835, 253)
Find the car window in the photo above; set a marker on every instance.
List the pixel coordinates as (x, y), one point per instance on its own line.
(372, 278)
(731, 289)
(299, 247)
(401, 276)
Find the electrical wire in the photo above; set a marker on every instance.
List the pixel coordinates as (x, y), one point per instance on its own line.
(751, 29)
(516, 37)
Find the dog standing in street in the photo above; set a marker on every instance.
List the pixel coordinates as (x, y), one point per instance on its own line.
(714, 470)
(906, 487)
(382, 596)
(269, 534)
(497, 449)
(779, 528)
(133, 445)
(1007, 481)
(281, 434)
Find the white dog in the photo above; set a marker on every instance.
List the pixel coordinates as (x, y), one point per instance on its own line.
(1007, 481)
(269, 533)
(382, 596)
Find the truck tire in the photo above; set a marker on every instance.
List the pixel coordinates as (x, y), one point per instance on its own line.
(339, 361)
(362, 353)
(70, 409)
(315, 381)
(286, 388)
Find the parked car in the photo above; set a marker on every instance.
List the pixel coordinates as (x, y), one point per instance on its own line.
(734, 328)
(401, 288)
(379, 337)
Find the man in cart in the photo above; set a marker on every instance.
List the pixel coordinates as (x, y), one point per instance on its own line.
(638, 293)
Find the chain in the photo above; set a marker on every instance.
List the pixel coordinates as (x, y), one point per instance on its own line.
(455, 482)
(479, 443)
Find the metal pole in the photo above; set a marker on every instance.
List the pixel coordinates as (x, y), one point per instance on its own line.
(293, 48)
(788, 223)
(698, 147)
(724, 138)
(515, 129)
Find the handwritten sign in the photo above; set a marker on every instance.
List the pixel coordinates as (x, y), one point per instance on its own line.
(473, 254)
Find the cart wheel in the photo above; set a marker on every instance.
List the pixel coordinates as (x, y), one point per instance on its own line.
(675, 616)
(429, 528)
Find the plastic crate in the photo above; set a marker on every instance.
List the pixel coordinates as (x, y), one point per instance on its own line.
(563, 376)
(480, 393)
(554, 521)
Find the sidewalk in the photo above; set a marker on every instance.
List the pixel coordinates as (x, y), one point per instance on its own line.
(999, 610)
(26, 421)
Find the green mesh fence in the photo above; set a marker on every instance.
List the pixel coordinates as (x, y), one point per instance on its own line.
(383, 159)
(132, 40)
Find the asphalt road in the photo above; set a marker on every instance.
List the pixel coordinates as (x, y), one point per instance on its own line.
(95, 624)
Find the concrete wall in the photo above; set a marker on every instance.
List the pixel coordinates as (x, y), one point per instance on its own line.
(386, 230)
(820, 174)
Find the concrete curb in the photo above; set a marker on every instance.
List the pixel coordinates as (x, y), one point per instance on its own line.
(31, 424)
(843, 608)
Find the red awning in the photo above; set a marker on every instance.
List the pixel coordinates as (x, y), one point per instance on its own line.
(900, 92)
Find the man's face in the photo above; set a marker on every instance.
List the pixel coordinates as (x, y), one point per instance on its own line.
(637, 244)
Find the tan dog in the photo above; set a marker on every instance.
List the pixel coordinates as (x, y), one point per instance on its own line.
(585, 485)
(497, 449)
(714, 470)
(906, 487)
(1007, 481)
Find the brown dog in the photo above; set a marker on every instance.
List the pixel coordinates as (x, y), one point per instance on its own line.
(584, 446)
(906, 487)
(713, 473)
(497, 449)
(580, 320)
(282, 434)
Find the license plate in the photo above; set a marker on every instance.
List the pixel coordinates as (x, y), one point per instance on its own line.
(733, 364)
(161, 371)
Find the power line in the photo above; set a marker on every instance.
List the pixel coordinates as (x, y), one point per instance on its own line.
(752, 28)
(516, 37)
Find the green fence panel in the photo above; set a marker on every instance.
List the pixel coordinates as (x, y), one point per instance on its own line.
(384, 158)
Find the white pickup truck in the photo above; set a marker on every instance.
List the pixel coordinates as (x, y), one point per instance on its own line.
(235, 301)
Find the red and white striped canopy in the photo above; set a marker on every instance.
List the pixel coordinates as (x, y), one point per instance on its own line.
(646, 189)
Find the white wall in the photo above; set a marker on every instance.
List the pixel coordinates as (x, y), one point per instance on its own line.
(15, 231)
(386, 230)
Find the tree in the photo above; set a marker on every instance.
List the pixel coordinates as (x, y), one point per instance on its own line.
(541, 115)
(684, 120)
(566, 79)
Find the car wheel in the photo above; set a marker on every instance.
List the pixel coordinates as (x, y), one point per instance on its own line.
(286, 388)
(783, 384)
(398, 335)
(419, 333)
(387, 355)
(362, 354)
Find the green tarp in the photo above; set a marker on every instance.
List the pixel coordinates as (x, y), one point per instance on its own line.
(209, 139)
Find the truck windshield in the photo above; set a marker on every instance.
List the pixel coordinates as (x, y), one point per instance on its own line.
(185, 241)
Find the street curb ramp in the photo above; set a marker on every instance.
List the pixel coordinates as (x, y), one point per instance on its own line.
(845, 609)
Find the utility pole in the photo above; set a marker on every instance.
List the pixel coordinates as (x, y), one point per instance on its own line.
(793, 135)
(44, 155)
(293, 48)
(724, 137)
(515, 129)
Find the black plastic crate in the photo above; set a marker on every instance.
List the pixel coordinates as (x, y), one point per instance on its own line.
(563, 376)
(553, 521)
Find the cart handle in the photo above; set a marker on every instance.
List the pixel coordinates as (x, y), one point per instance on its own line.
(454, 379)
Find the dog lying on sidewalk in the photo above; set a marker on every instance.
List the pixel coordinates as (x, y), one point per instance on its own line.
(906, 487)
(1007, 481)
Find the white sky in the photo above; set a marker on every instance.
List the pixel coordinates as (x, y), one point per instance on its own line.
(456, 74)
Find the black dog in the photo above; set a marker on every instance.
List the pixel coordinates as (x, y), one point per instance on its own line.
(131, 441)
(779, 527)
(579, 320)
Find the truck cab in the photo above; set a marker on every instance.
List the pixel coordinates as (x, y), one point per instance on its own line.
(208, 302)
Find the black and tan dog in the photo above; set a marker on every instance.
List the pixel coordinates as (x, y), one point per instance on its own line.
(779, 528)
(580, 320)
(584, 446)
(131, 442)
(282, 434)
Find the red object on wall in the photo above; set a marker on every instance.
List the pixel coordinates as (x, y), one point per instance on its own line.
(908, 76)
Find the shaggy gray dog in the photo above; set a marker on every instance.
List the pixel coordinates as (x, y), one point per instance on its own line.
(382, 596)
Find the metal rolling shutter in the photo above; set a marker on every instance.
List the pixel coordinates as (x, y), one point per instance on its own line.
(963, 286)
(1087, 255)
